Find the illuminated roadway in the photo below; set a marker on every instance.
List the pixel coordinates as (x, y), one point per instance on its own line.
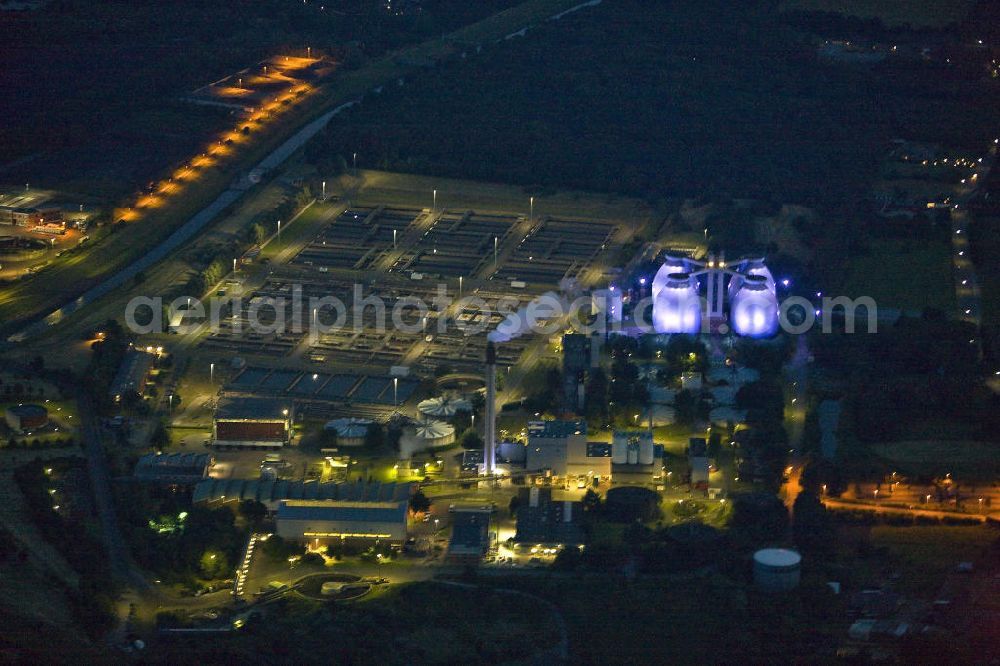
(181, 235)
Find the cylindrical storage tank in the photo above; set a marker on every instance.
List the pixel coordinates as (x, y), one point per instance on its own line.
(646, 451)
(443, 406)
(672, 263)
(430, 433)
(677, 308)
(753, 310)
(619, 451)
(351, 432)
(776, 569)
(756, 266)
(750, 266)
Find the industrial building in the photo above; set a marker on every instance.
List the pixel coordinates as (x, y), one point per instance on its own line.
(325, 522)
(30, 216)
(271, 492)
(698, 461)
(561, 449)
(255, 423)
(173, 468)
(576, 353)
(633, 457)
(541, 520)
(24, 418)
(470, 534)
(132, 374)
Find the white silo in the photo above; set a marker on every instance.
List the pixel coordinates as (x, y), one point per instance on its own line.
(677, 307)
(753, 310)
(646, 449)
(619, 450)
(776, 569)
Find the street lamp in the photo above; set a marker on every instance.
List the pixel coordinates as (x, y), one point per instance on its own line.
(395, 391)
(435, 207)
(393, 239)
(279, 230)
(531, 209)
(324, 190)
(211, 373)
(496, 240)
(459, 286)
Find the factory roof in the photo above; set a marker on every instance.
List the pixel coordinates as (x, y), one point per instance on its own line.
(252, 409)
(470, 532)
(173, 466)
(172, 460)
(132, 372)
(556, 428)
(27, 410)
(221, 490)
(339, 510)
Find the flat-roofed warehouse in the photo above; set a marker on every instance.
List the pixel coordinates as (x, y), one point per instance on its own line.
(173, 468)
(254, 423)
(132, 374)
(270, 493)
(324, 522)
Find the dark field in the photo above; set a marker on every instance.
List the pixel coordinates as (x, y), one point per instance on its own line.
(667, 99)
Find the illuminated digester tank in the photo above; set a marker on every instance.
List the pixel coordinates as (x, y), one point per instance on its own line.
(753, 309)
(677, 308)
(672, 263)
(750, 266)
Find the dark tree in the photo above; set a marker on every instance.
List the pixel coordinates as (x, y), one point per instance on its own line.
(253, 512)
(811, 524)
(420, 503)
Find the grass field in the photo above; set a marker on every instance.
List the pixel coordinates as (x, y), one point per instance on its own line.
(907, 275)
(917, 13)
(424, 623)
(683, 620)
(927, 553)
(964, 459)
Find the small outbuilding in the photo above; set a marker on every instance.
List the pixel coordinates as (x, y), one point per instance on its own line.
(26, 417)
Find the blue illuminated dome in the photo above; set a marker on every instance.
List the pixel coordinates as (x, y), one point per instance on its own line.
(672, 263)
(676, 307)
(753, 308)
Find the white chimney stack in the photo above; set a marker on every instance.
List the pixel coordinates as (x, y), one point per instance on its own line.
(490, 427)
